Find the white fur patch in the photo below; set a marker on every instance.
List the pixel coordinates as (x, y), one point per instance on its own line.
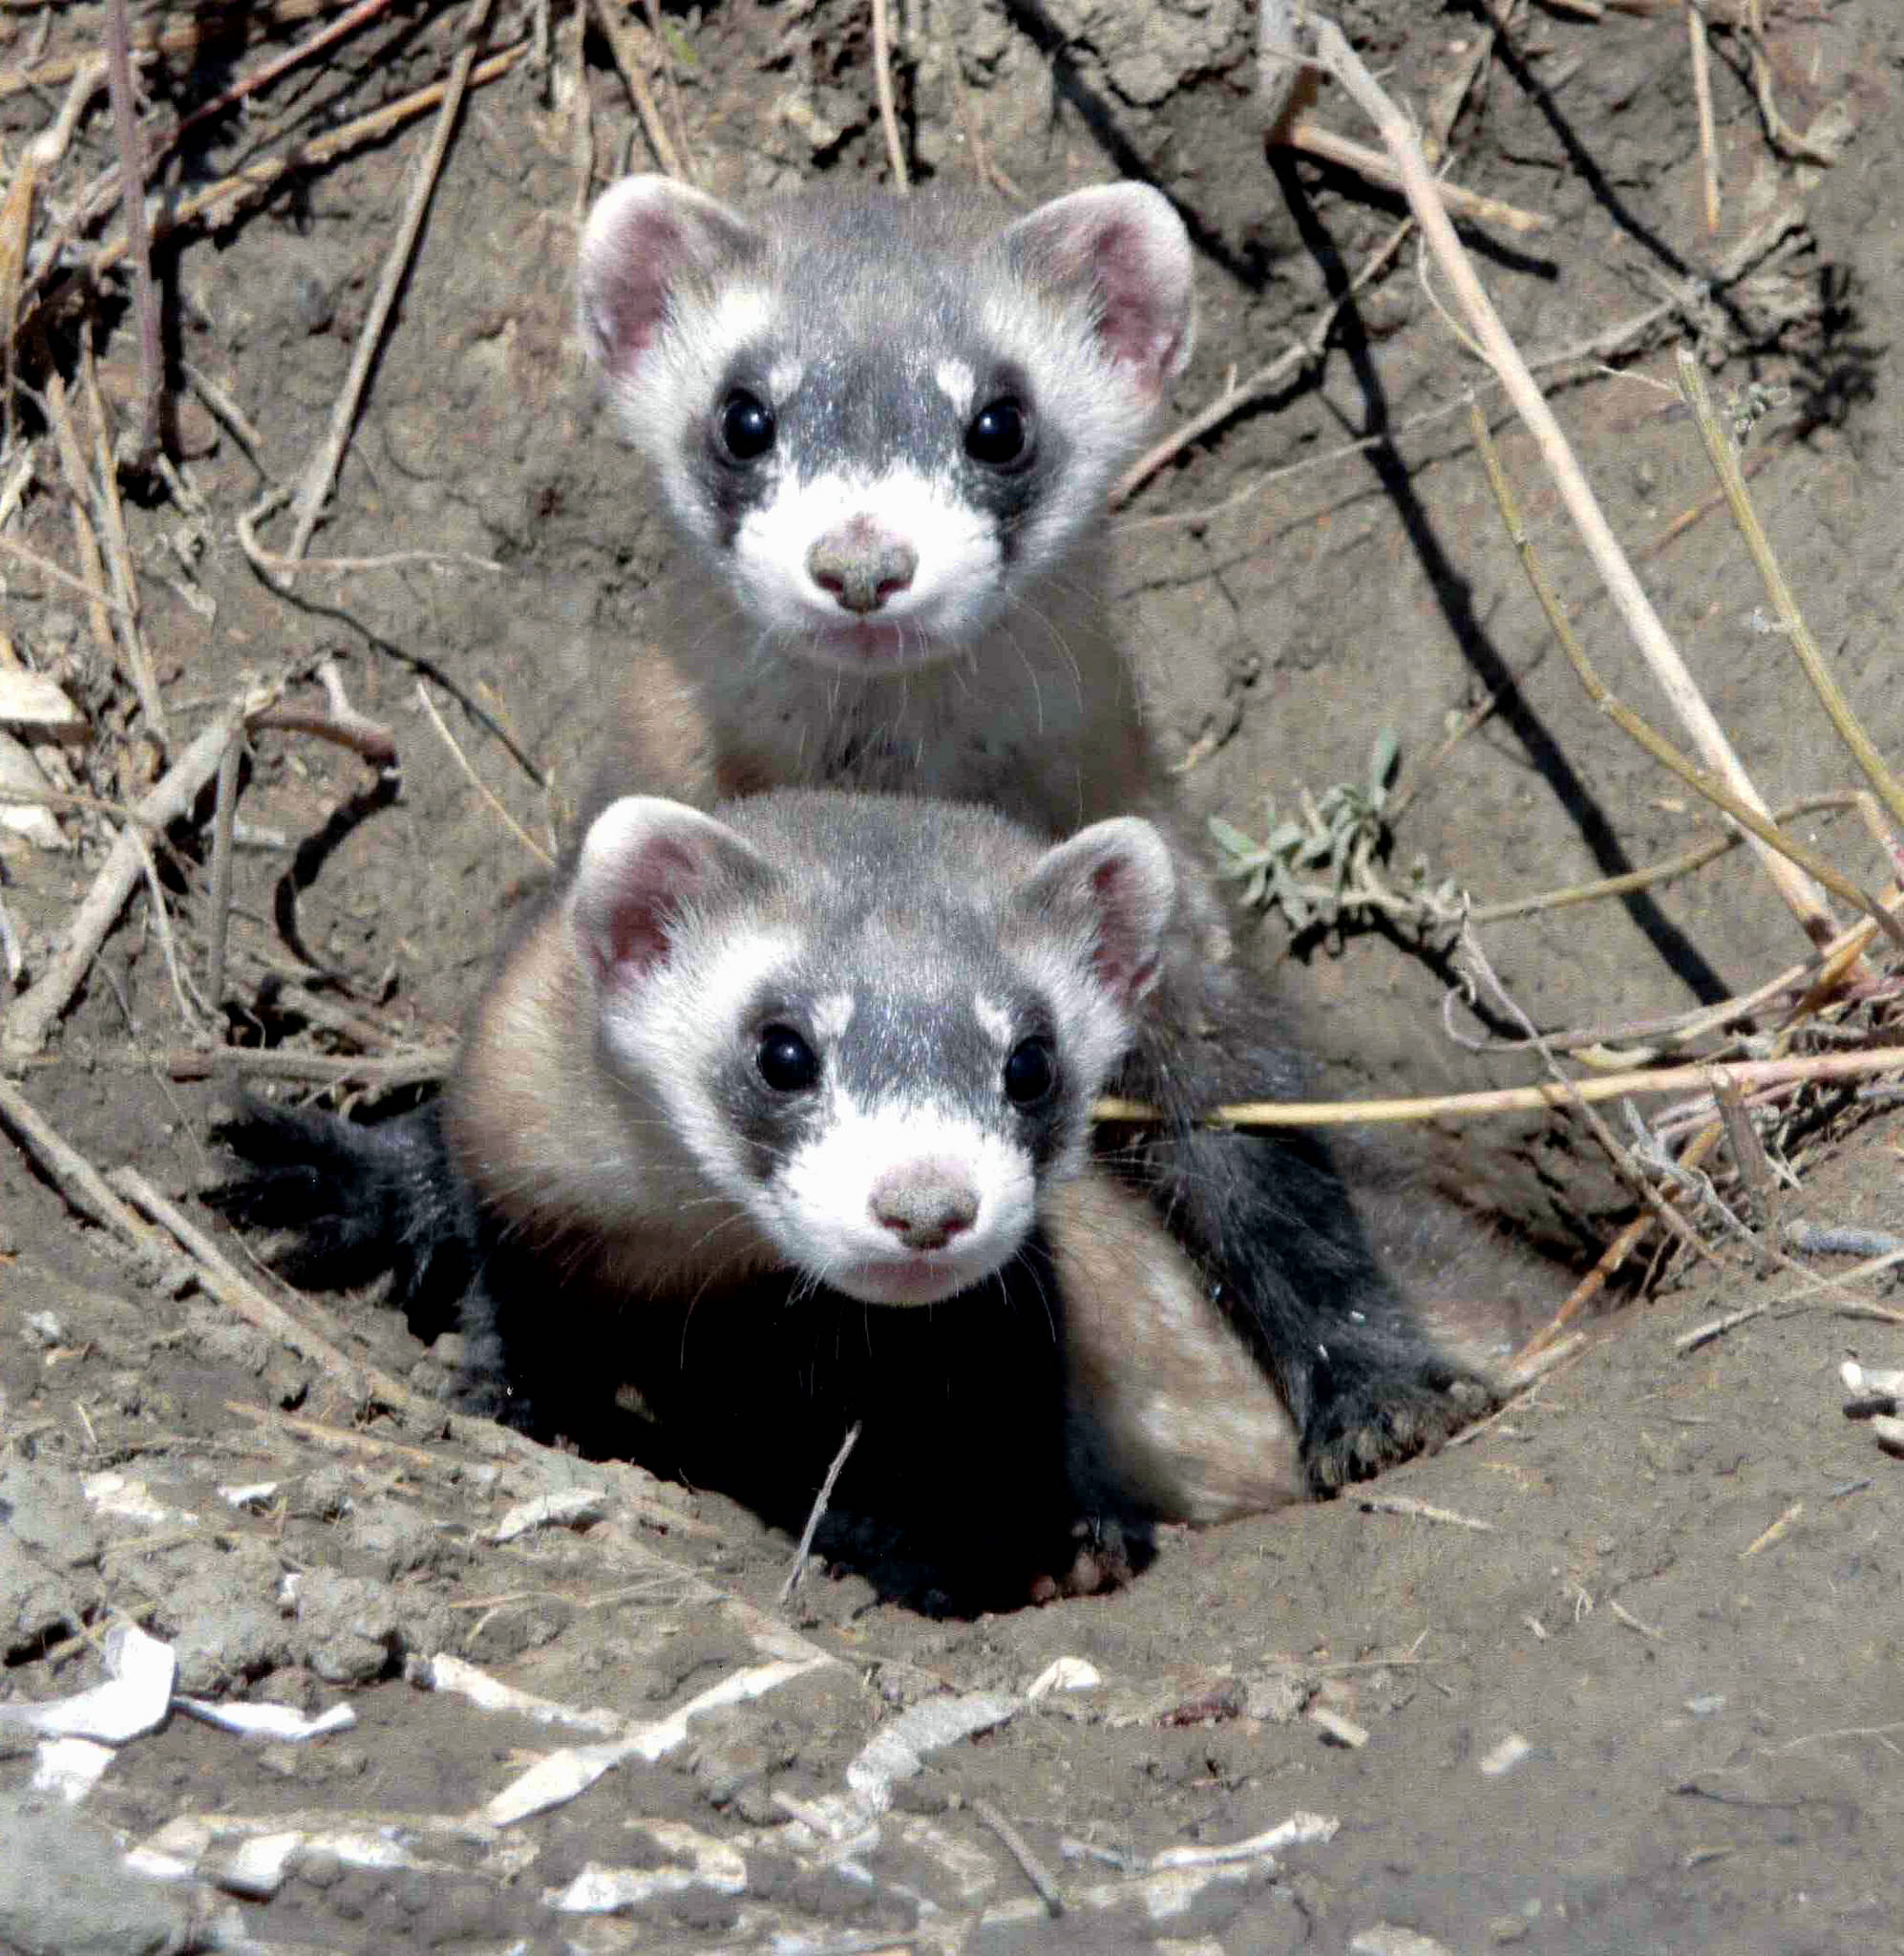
(832, 1015)
(994, 1020)
(823, 1218)
(954, 588)
(783, 380)
(958, 383)
(676, 1029)
(676, 383)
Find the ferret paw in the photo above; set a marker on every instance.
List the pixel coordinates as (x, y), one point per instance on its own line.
(1103, 1558)
(1381, 1422)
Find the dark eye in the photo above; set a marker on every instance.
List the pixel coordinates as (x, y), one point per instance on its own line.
(997, 436)
(787, 1063)
(1030, 1072)
(747, 426)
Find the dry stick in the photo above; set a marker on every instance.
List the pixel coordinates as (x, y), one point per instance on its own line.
(47, 569)
(1749, 1074)
(816, 1512)
(77, 1180)
(275, 567)
(323, 471)
(882, 86)
(137, 658)
(226, 410)
(1779, 133)
(1636, 608)
(417, 1068)
(626, 53)
(1701, 94)
(132, 181)
(261, 176)
(1747, 810)
(1624, 336)
(1237, 393)
(33, 1014)
(267, 72)
(1327, 146)
(1617, 1157)
(476, 781)
(190, 1004)
(1725, 462)
(1282, 86)
(1015, 1844)
(148, 37)
(666, 53)
(223, 820)
(366, 1382)
(1662, 871)
(72, 465)
(988, 172)
(16, 224)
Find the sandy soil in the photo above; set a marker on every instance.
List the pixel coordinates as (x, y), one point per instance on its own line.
(1619, 1673)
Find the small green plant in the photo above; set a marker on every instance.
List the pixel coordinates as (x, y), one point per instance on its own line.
(1321, 868)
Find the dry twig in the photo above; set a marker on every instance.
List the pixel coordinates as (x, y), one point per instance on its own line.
(1702, 96)
(1724, 459)
(815, 1513)
(1746, 809)
(1747, 1074)
(322, 473)
(132, 184)
(1629, 596)
(882, 85)
(626, 50)
(33, 1014)
(476, 781)
(1327, 146)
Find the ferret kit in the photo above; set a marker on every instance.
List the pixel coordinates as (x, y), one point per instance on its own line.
(886, 430)
(776, 1122)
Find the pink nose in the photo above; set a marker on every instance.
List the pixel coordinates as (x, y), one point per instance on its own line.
(861, 564)
(926, 1203)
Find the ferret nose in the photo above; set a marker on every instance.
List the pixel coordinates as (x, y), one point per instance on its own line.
(925, 1204)
(861, 564)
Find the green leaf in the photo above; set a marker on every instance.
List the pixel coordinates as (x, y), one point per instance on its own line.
(1382, 759)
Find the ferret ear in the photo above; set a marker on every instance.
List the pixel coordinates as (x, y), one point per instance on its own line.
(1116, 876)
(644, 863)
(645, 235)
(1127, 243)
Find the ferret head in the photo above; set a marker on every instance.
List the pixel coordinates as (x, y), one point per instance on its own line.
(884, 420)
(873, 1027)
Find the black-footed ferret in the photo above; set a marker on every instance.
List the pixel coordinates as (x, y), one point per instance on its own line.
(886, 428)
(778, 1121)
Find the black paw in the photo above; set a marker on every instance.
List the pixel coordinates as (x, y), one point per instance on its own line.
(1354, 1434)
(1100, 1556)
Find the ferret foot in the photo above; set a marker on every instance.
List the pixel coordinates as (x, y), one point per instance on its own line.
(1382, 1421)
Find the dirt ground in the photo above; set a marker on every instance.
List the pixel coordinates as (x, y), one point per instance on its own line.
(1623, 1672)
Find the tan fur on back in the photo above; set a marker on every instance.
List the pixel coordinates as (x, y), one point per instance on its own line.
(1173, 1410)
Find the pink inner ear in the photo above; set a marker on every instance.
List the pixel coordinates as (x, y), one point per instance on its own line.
(1121, 954)
(663, 875)
(1134, 330)
(628, 291)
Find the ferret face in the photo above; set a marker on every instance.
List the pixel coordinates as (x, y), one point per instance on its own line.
(883, 421)
(889, 1145)
(880, 1086)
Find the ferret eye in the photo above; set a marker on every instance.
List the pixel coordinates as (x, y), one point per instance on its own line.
(786, 1062)
(747, 426)
(1030, 1072)
(997, 434)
